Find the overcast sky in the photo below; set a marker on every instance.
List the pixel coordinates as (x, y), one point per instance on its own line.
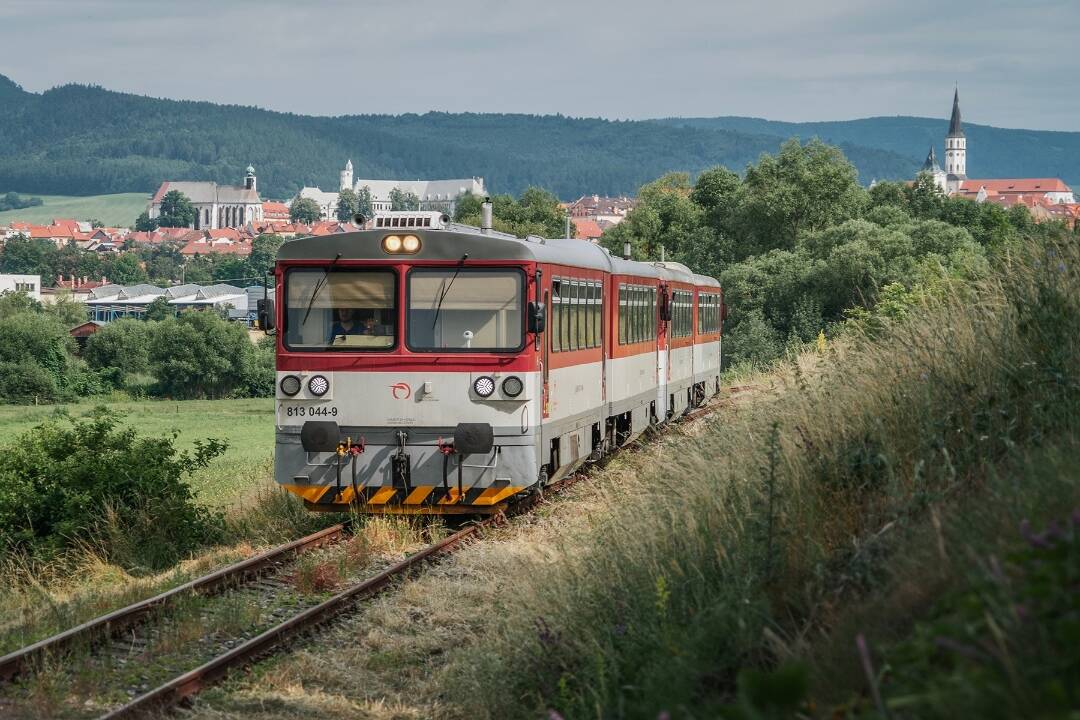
(1016, 62)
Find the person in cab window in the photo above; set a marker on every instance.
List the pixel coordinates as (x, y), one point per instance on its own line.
(349, 324)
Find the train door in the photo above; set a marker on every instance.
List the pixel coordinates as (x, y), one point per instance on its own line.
(663, 310)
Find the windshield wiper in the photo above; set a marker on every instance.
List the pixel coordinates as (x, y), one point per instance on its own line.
(442, 295)
(318, 287)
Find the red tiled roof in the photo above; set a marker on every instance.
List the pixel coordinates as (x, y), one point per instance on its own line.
(40, 231)
(1015, 185)
(227, 233)
(587, 229)
(202, 247)
(275, 211)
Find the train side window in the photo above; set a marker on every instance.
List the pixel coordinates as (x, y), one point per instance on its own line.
(586, 311)
(575, 314)
(596, 314)
(556, 312)
(635, 314)
(622, 314)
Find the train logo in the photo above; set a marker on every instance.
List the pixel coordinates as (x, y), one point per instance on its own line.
(400, 387)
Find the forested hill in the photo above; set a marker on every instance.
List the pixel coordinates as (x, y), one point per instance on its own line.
(992, 152)
(78, 140)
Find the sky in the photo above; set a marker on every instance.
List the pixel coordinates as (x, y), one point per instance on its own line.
(796, 60)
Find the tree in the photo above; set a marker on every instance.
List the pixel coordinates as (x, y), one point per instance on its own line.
(925, 200)
(263, 255)
(403, 200)
(176, 210)
(122, 344)
(144, 223)
(125, 269)
(304, 210)
(348, 205)
(802, 189)
(537, 212)
(158, 309)
(364, 202)
(200, 355)
(25, 256)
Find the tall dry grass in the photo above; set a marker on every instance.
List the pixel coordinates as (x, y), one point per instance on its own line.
(723, 557)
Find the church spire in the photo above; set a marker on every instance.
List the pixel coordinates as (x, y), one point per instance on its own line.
(931, 161)
(955, 130)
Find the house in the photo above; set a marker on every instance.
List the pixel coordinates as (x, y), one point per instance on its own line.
(601, 209)
(85, 330)
(587, 230)
(275, 211)
(29, 284)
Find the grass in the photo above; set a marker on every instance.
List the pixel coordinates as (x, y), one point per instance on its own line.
(117, 210)
(247, 425)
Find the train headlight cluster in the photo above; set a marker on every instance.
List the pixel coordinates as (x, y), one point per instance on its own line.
(401, 244)
(290, 385)
(484, 386)
(318, 385)
(512, 386)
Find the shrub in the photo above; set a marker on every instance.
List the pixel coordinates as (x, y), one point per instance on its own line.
(90, 479)
(26, 382)
(122, 344)
(198, 354)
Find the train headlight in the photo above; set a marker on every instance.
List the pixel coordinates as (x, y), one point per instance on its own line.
(290, 385)
(410, 244)
(512, 386)
(318, 385)
(391, 244)
(401, 244)
(484, 386)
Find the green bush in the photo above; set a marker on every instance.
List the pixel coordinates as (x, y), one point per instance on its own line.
(200, 355)
(26, 382)
(91, 480)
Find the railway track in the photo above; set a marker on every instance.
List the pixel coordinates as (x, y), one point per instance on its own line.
(105, 630)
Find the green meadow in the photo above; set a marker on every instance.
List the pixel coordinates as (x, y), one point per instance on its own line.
(247, 425)
(118, 210)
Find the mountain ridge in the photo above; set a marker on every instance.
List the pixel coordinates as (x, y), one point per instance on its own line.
(78, 139)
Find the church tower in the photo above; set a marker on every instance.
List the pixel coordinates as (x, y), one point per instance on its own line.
(955, 147)
(346, 177)
(249, 179)
(931, 166)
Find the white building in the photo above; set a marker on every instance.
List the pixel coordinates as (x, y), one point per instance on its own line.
(434, 195)
(216, 206)
(29, 284)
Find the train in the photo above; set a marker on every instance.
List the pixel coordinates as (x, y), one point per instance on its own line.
(432, 368)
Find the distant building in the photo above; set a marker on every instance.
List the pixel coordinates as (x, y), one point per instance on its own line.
(112, 302)
(587, 230)
(216, 206)
(275, 211)
(29, 284)
(610, 210)
(435, 195)
(953, 179)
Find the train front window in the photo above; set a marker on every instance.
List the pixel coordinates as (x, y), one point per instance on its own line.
(350, 310)
(466, 309)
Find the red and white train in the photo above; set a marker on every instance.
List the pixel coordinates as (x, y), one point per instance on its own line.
(431, 368)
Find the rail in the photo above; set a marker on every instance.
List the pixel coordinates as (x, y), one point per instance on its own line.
(114, 622)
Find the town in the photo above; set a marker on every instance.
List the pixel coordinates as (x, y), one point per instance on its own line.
(197, 221)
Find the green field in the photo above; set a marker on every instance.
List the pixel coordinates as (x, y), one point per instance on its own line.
(247, 425)
(118, 210)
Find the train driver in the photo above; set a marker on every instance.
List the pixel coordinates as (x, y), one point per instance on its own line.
(348, 323)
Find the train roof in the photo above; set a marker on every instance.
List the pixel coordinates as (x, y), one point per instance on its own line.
(454, 241)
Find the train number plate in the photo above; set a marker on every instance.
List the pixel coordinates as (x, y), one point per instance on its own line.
(308, 411)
